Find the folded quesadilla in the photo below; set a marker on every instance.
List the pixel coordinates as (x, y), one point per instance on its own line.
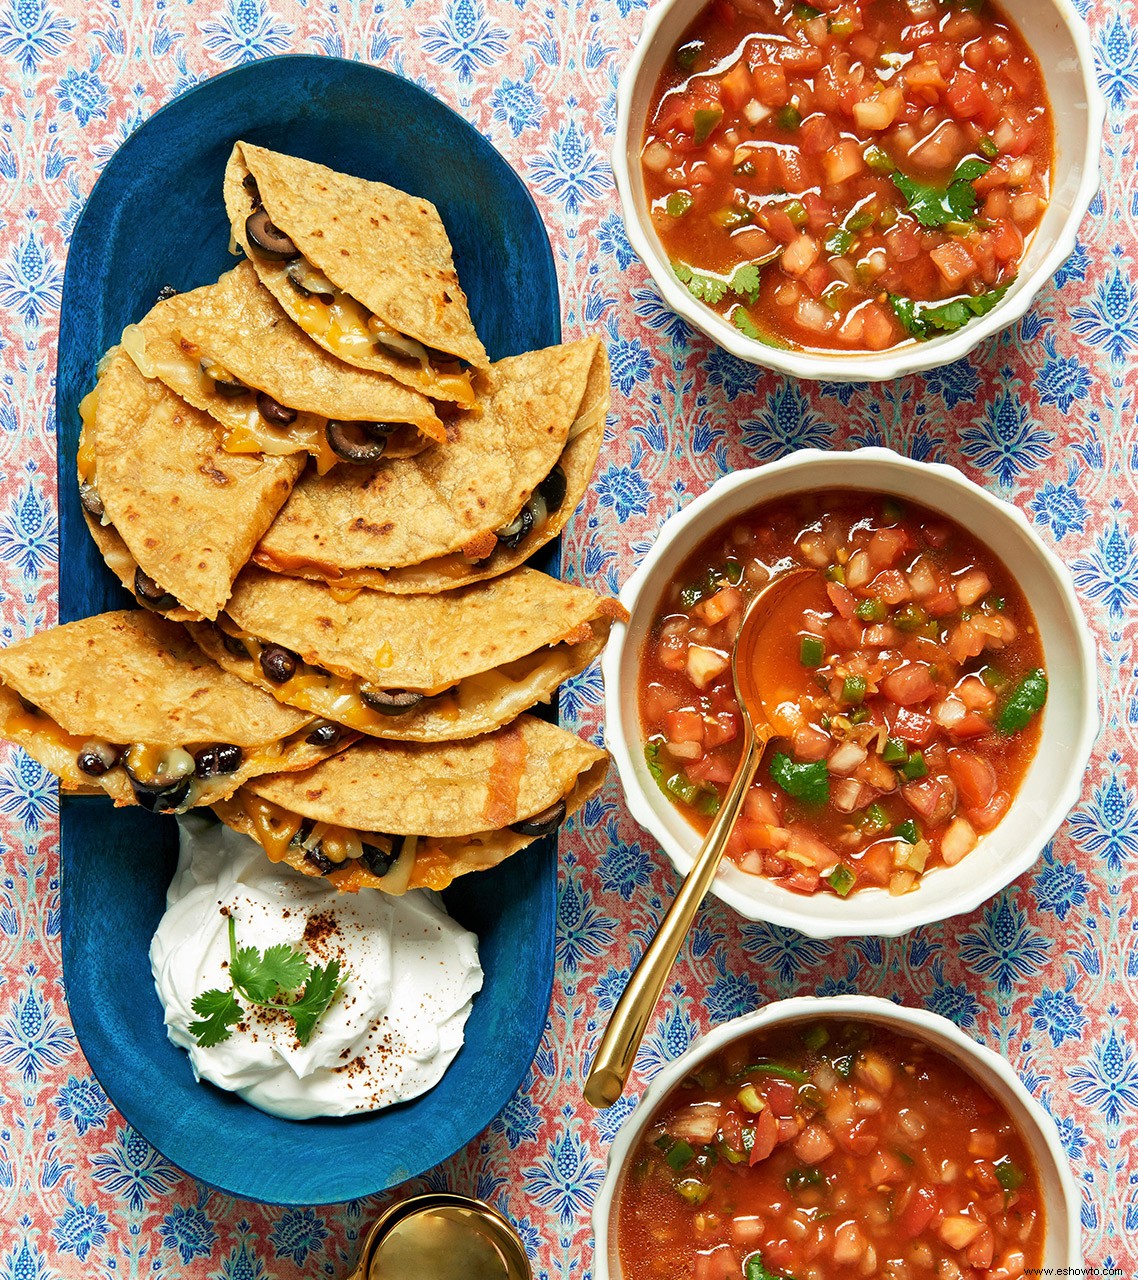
(510, 476)
(230, 350)
(416, 668)
(126, 702)
(175, 516)
(398, 816)
(366, 270)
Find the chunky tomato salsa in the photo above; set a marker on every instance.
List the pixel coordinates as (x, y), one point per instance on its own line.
(907, 705)
(829, 1151)
(848, 175)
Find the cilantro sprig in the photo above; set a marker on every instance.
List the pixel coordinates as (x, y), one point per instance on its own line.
(926, 319)
(934, 207)
(712, 289)
(280, 979)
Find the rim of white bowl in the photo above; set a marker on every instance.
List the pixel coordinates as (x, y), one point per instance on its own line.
(922, 1024)
(899, 914)
(857, 366)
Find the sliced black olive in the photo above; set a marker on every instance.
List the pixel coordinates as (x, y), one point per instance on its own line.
(358, 441)
(162, 799)
(249, 182)
(390, 702)
(302, 833)
(306, 280)
(166, 293)
(378, 862)
(513, 533)
(325, 735)
(95, 758)
(553, 489)
(92, 503)
(224, 383)
(269, 240)
(319, 859)
(151, 594)
(280, 415)
(278, 663)
(541, 824)
(210, 762)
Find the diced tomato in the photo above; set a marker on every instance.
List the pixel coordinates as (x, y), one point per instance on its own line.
(721, 728)
(712, 768)
(965, 94)
(911, 727)
(771, 88)
(761, 806)
(736, 86)
(842, 599)
(781, 1096)
(807, 845)
(954, 263)
(766, 1136)
(985, 817)
(684, 726)
(909, 684)
(931, 799)
(917, 1213)
(818, 134)
(722, 604)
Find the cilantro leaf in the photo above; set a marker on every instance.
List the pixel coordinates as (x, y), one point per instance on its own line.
(319, 992)
(709, 289)
(809, 783)
(218, 1011)
(927, 320)
(743, 322)
(756, 1270)
(933, 207)
(745, 282)
(261, 978)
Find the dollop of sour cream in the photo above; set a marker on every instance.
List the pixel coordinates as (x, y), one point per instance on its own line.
(390, 1033)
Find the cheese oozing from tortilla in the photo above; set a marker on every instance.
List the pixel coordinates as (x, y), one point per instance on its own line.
(409, 973)
(503, 691)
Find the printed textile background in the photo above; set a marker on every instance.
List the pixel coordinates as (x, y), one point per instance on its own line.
(1044, 416)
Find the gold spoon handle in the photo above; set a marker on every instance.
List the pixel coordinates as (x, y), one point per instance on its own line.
(621, 1040)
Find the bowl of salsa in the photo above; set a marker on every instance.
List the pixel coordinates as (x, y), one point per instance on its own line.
(888, 180)
(832, 1139)
(933, 707)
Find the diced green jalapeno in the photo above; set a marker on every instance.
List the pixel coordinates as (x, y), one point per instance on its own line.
(796, 1179)
(811, 651)
(895, 751)
(789, 117)
(693, 1190)
(1027, 698)
(859, 715)
(772, 1069)
(815, 1037)
(841, 26)
(878, 159)
(910, 618)
(842, 880)
(853, 690)
(844, 1065)
(679, 1155)
(732, 216)
(870, 610)
(733, 572)
(993, 677)
(987, 148)
(705, 121)
(730, 1154)
(796, 212)
(678, 203)
(1008, 1174)
(688, 54)
(860, 221)
(839, 241)
(887, 217)
(700, 796)
(914, 767)
(907, 831)
(835, 573)
(874, 819)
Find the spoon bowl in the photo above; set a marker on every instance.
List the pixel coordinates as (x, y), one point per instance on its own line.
(772, 613)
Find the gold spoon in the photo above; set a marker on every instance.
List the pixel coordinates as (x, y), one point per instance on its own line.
(782, 601)
(441, 1236)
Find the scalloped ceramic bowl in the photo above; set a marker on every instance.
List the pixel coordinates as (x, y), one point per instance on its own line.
(1059, 39)
(1070, 721)
(1062, 1246)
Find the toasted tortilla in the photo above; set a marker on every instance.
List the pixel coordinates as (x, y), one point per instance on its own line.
(480, 655)
(238, 324)
(428, 524)
(386, 250)
(459, 798)
(189, 513)
(130, 677)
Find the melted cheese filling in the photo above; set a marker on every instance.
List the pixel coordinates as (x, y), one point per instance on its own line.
(516, 684)
(46, 741)
(350, 330)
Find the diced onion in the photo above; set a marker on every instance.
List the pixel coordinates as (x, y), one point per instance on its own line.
(657, 156)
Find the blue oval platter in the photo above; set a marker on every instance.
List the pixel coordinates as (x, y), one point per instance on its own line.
(156, 218)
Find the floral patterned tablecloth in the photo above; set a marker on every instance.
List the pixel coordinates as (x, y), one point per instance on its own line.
(1047, 973)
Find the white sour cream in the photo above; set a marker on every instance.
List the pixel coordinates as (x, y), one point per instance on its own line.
(390, 1033)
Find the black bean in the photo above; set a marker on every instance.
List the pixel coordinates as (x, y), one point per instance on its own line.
(95, 758)
(553, 489)
(92, 503)
(209, 762)
(515, 532)
(278, 663)
(318, 859)
(541, 824)
(163, 799)
(151, 594)
(378, 862)
(279, 415)
(166, 293)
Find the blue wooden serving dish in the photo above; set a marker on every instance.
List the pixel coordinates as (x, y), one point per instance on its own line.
(156, 217)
